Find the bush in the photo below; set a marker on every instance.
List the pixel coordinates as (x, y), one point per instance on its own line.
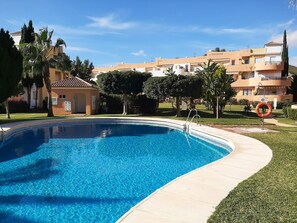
(290, 113)
(18, 106)
(233, 101)
(139, 104)
(243, 102)
(284, 109)
(113, 104)
(143, 105)
(254, 103)
(283, 104)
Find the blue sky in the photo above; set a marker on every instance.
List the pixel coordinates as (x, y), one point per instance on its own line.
(135, 31)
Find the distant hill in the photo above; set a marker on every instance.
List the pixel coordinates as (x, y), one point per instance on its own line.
(292, 70)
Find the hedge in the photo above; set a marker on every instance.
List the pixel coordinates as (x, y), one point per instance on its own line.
(15, 106)
(290, 113)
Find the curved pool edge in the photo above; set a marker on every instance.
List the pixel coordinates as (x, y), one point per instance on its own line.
(191, 197)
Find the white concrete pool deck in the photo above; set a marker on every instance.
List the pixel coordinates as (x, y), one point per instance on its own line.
(194, 196)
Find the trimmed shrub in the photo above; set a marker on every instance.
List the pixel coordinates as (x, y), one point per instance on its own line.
(283, 104)
(292, 113)
(18, 106)
(243, 102)
(113, 104)
(143, 105)
(233, 101)
(284, 109)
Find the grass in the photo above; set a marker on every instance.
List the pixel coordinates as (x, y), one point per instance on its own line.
(268, 196)
(20, 117)
(271, 194)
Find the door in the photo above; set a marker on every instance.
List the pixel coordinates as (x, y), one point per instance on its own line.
(80, 103)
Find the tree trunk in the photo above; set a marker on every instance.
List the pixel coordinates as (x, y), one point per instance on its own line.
(192, 104)
(48, 84)
(125, 104)
(29, 96)
(36, 97)
(7, 109)
(178, 98)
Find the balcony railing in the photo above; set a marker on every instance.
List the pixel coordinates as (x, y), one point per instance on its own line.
(254, 82)
(269, 66)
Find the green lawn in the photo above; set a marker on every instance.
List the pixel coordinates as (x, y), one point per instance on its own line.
(17, 117)
(268, 196)
(271, 194)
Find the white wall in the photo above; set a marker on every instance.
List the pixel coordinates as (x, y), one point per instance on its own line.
(273, 59)
(273, 49)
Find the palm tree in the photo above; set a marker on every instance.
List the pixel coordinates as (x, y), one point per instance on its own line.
(169, 71)
(216, 86)
(43, 56)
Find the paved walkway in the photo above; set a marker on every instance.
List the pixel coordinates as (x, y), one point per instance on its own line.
(275, 122)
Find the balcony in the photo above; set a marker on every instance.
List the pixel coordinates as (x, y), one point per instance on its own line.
(288, 97)
(284, 82)
(240, 68)
(269, 66)
(254, 82)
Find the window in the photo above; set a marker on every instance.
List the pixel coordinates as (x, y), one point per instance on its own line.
(54, 101)
(233, 62)
(62, 96)
(57, 76)
(258, 60)
(186, 68)
(247, 92)
(246, 60)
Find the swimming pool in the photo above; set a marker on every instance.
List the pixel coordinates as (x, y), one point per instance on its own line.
(92, 171)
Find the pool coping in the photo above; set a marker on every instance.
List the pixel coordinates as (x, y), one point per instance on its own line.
(191, 197)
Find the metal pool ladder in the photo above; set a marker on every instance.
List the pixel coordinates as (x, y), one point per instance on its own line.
(188, 121)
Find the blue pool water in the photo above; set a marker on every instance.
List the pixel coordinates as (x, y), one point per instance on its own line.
(91, 172)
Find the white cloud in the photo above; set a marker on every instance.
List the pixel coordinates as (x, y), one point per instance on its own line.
(286, 25)
(139, 53)
(110, 22)
(86, 50)
(221, 31)
(63, 30)
(291, 38)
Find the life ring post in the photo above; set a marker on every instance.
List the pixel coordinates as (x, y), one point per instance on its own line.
(263, 106)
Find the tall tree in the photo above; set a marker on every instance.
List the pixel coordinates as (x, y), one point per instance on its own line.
(122, 83)
(173, 86)
(216, 86)
(10, 66)
(285, 56)
(41, 56)
(28, 78)
(82, 69)
(38, 80)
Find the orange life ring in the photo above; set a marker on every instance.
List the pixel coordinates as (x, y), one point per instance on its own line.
(263, 115)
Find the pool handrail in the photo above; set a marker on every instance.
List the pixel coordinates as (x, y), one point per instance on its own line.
(188, 122)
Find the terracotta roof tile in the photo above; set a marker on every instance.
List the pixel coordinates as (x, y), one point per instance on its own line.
(72, 82)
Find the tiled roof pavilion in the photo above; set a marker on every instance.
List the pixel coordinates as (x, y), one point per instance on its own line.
(72, 82)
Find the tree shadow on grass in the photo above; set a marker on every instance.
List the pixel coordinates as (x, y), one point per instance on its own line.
(41, 169)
